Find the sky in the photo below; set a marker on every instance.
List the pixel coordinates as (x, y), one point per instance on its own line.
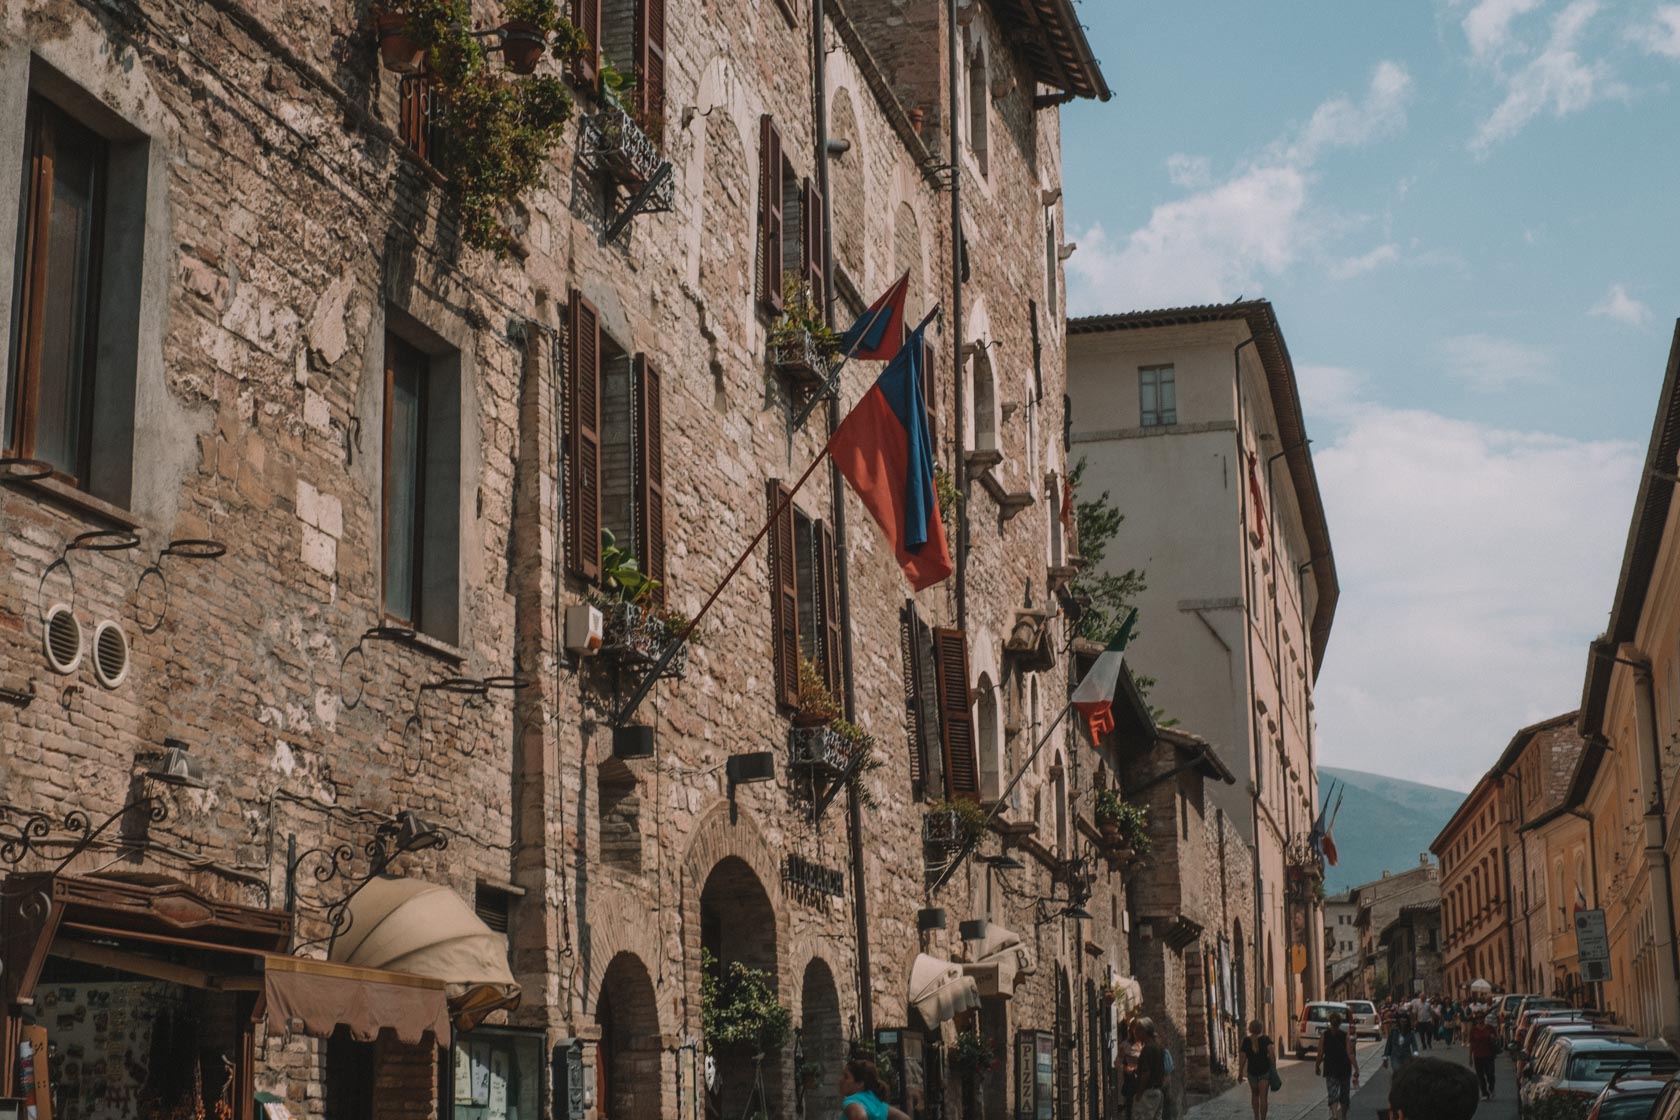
(1467, 215)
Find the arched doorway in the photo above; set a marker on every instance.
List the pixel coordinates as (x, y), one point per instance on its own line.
(821, 1041)
(738, 925)
(627, 1061)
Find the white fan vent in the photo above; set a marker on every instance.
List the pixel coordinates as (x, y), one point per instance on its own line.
(63, 639)
(110, 654)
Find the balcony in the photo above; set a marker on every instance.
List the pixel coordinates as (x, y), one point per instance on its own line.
(616, 148)
(943, 828)
(634, 636)
(819, 752)
(799, 359)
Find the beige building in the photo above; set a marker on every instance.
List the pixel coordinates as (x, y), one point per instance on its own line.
(1629, 788)
(1475, 895)
(1190, 419)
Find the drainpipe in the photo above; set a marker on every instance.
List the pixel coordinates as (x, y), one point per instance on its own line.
(837, 490)
(961, 465)
(1253, 720)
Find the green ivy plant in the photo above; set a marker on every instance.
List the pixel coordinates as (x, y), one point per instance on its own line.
(1132, 821)
(974, 1053)
(738, 1006)
(500, 130)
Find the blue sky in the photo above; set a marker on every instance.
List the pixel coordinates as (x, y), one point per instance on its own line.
(1467, 213)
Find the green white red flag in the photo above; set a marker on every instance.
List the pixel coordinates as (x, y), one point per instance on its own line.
(1095, 695)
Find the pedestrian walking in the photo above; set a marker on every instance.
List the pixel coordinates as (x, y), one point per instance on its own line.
(1432, 1089)
(1257, 1067)
(1402, 1045)
(1425, 1023)
(864, 1094)
(1338, 1061)
(1484, 1047)
(1151, 1074)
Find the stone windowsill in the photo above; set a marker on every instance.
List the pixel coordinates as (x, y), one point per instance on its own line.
(61, 493)
(425, 643)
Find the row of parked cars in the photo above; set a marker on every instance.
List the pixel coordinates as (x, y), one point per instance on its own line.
(1585, 1058)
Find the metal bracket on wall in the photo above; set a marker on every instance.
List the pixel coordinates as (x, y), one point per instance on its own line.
(639, 202)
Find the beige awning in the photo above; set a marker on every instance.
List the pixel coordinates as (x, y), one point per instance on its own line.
(939, 990)
(1128, 993)
(314, 997)
(410, 925)
(998, 957)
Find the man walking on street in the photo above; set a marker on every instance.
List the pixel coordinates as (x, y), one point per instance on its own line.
(1484, 1045)
(1338, 1061)
(1426, 1023)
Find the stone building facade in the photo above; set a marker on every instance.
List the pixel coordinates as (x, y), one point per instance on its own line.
(401, 449)
(1189, 905)
(1379, 904)
(1412, 944)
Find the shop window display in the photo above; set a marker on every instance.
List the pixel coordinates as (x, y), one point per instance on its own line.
(497, 1075)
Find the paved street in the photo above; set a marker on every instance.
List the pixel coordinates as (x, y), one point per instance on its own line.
(1302, 1095)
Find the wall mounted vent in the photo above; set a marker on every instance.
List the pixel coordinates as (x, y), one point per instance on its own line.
(63, 639)
(110, 654)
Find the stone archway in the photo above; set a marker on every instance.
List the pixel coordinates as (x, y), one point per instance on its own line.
(629, 1057)
(738, 925)
(822, 1039)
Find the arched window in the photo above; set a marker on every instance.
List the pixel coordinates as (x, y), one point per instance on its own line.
(988, 740)
(984, 397)
(979, 97)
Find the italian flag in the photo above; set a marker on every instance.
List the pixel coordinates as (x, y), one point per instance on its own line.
(1095, 695)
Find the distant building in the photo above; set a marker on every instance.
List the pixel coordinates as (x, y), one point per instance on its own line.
(1341, 942)
(1412, 942)
(1191, 419)
(1378, 903)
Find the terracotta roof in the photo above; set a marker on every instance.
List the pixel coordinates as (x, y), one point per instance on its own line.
(1050, 37)
(1639, 561)
(1292, 427)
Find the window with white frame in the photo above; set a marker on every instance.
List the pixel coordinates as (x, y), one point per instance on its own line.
(1157, 396)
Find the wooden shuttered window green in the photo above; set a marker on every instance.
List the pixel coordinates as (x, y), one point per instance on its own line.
(784, 593)
(583, 440)
(650, 474)
(956, 718)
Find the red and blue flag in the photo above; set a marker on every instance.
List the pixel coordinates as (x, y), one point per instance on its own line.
(879, 331)
(884, 449)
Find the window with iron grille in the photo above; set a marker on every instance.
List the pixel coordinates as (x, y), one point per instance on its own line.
(419, 116)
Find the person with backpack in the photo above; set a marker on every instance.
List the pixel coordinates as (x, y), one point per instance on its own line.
(1338, 1062)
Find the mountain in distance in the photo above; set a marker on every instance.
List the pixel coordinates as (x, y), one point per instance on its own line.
(1384, 825)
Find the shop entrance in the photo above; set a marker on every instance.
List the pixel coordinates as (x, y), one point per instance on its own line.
(821, 1043)
(628, 1062)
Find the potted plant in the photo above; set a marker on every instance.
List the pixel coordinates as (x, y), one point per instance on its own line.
(399, 51)
(802, 345)
(1108, 809)
(1130, 823)
(817, 705)
(527, 26)
(738, 1007)
(953, 824)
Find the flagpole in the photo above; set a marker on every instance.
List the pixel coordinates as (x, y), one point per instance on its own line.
(1003, 799)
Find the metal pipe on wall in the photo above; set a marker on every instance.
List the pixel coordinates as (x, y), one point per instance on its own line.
(954, 110)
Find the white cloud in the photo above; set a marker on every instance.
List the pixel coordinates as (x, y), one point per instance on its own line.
(1475, 563)
(1488, 25)
(1226, 237)
(1190, 172)
(1557, 79)
(1342, 122)
(1489, 364)
(1617, 304)
(1365, 262)
(1662, 34)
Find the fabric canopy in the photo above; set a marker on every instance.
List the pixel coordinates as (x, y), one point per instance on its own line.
(1480, 986)
(315, 997)
(998, 957)
(409, 925)
(939, 990)
(1128, 993)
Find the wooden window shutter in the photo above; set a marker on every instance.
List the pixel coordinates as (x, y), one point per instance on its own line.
(649, 93)
(769, 214)
(828, 580)
(586, 64)
(956, 718)
(784, 593)
(930, 394)
(811, 244)
(650, 474)
(583, 437)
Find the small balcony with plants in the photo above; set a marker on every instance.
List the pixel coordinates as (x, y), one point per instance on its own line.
(636, 628)
(618, 143)
(823, 746)
(952, 825)
(803, 348)
(1124, 827)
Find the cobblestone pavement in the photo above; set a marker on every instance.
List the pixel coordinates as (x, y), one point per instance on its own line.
(1302, 1095)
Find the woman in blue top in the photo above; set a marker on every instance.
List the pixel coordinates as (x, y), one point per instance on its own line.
(863, 1090)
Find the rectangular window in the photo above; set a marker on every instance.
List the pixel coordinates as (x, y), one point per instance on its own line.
(1157, 396)
(421, 487)
(418, 115)
(790, 225)
(805, 613)
(614, 456)
(55, 293)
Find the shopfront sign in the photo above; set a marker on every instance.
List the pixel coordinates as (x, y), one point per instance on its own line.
(1035, 1075)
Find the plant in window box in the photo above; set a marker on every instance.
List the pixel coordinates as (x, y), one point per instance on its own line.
(859, 751)
(531, 28)
(619, 144)
(634, 628)
(802, 346)
(953, 824)
(1123, 825)
(817, 706)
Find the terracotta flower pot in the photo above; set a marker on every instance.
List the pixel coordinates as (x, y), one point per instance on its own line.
(916, 117)
(399, 53)
(1110, 831)
(522, 46)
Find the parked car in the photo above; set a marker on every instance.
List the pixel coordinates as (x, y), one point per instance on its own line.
(1530, 1009)
(1365, 1018)
(1582, 1067)
(1315, 1020)
(1543, 1037)
(1667, 1104)
(1628, 1098)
